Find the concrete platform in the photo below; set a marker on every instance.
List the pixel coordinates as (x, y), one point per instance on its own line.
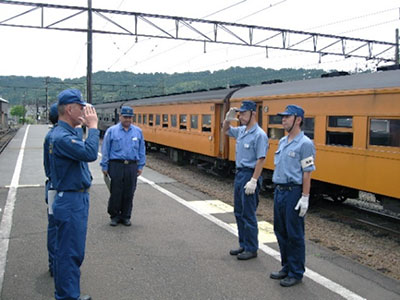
(176, 248)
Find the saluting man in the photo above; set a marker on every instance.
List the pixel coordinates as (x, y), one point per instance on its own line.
(251, 150)
(71, 178)
(294, 162)
(123, 159)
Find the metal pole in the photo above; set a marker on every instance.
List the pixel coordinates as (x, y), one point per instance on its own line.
(89, 54)
(396, 55)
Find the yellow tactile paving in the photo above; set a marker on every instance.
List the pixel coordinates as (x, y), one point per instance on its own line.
(265, 229)
(212, 206)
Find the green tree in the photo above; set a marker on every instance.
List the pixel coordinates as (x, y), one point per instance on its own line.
(18, 111)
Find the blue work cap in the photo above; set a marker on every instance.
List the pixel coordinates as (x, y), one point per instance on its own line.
(293, 110)
(126, 111)
(70, 96)
(53, 114)
(248, 105)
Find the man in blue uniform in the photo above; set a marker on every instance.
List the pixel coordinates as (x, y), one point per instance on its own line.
(123, 159)
(294, 162)
(49, 189)
(251, 150)
(69, 157)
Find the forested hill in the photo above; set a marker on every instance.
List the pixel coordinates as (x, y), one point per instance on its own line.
(113, 86)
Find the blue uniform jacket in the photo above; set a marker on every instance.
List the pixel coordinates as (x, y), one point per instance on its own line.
(292, 159)
(121, 144)
(250, 146)
(69, 156)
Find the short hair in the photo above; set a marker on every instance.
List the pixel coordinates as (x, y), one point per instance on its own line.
(61, 109)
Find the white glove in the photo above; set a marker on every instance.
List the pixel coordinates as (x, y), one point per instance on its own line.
(303, 205)
(231, 114)
(250, 186)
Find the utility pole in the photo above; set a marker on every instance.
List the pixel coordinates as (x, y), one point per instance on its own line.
(89, 55)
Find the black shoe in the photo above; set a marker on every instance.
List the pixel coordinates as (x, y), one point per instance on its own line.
(126, 222)
(114, 222)
(236, 251)
(246, 255)
(289, 281)
(278, 275)
(85, 297)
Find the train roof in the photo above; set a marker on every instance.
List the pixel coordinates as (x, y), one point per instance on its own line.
(387, 79)
(110, 104)
(3, 100)
(201, 96)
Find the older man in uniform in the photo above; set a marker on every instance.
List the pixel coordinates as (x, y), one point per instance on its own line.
(49, 189)
(69, 157)
(294, 162)
(123, 159)
(251, 150)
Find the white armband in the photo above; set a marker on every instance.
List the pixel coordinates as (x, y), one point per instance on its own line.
(309, 161)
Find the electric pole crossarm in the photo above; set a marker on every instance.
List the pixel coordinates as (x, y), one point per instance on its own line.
(268, 37)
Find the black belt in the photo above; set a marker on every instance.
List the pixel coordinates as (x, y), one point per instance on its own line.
(124, 161)
(287, 186)
(246, 169)
(77, 191)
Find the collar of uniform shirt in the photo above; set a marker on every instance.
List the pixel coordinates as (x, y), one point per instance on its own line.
(67, 126)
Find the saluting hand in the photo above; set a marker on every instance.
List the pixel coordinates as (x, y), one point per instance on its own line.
(89, 116)
(231, 114)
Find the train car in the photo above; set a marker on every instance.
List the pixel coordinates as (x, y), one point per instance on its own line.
(188, 124)
(354, 122)
(3, 113)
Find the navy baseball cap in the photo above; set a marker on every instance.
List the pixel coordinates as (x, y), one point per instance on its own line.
(293, 110)
(126, 111)
(70, 96)
(248, 105)
(53, 114)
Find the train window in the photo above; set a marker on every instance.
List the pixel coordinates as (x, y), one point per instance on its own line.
(134, 118)
(150, 119)
(340, 131)
(206, 123)
(157, 120)
(144, 119)
(194, 121)
(341, 121)
(275, 129)
(173, 120)
(339, 138)
(384, 132)
(182, 122)
(276, 133)
(275, 120)
(139, 118)
(308, 127)
(165, 121)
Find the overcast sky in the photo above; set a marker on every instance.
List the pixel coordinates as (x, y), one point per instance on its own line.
(35, 52)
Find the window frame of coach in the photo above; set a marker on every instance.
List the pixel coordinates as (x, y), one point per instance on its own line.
(384, 134)
(339, 128)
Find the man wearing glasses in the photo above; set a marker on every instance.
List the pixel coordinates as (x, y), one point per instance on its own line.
(123, 159)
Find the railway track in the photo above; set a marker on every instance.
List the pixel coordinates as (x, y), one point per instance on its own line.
(6, 136)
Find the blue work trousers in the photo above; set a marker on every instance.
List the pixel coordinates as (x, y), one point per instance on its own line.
(123, 186)
(245, 207)
(70, 210)
(51, 240)
(289, 230)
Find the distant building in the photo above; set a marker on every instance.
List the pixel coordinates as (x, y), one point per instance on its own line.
(3, 113)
